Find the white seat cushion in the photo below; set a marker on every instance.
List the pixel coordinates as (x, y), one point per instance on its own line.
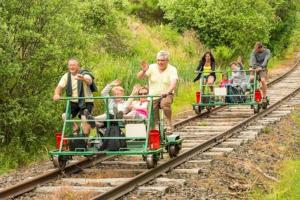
(220, 91)
(135, 130)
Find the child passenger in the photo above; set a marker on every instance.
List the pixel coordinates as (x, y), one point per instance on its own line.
(138, 108)
(238, 76)
(116, 106)
(225, 80)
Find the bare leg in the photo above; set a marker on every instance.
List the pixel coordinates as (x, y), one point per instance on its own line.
(130, 115)
(156, 111)
(85, 126)
(210, 82)
(166, 106)
(263, 83)
(99, 120)
(75, 126)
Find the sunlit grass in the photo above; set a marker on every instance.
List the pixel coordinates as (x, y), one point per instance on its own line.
(289, 185)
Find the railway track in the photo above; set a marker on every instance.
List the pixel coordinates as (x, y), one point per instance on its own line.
(112, 177)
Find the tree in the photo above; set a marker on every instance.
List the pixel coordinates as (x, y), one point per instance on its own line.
(236, 24)
(36, 39)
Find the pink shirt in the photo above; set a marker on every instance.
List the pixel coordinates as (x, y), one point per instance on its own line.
(224, 82)
(140, 107)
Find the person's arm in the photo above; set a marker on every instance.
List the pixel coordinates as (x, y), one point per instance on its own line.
(268, 54)
(108, 87)
(61, 85)
(173, 82)
(172, 86)
(57, 93)
(87, 79)
(106, 90)
(144, 68)
(213, 69)
(128, 103)
(252, 62)
(199, 69)
(200, 66)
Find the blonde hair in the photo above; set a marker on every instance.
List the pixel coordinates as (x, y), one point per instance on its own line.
(144, 88)
(117, 88)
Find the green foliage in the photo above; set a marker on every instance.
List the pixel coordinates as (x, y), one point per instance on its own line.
(224, 55)
(288, 187)
(235, 24)
(38, 37)
(147, 10)
(106, 23)
(286, 15)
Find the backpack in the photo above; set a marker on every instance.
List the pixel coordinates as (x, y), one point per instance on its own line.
(235, 90)
(113, 144)
(77, 145)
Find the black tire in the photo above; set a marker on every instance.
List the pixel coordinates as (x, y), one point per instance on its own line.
(197, 110)
(264, 105)
(144, 157)
(173, 151)
(256, 109)
(60, 162)
(208, 108)
(151, 161)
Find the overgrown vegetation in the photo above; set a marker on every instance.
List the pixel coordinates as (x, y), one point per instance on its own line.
(288, 186)
(234, 25)
(108, 37)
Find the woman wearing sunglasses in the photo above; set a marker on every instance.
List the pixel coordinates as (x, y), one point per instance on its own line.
(138, 108)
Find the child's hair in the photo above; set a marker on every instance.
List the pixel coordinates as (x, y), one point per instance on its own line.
(234, 63)
(117, 88)
(144, 88)
(224, 75)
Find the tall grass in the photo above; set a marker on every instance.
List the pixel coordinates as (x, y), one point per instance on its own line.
(289, 185)
(185, 51)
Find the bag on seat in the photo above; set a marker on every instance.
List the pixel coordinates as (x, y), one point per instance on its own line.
(113, 144)
(235, 90)
(77, 145)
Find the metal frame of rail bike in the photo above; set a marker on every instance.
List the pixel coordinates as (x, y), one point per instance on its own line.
(136, 144)
(220, 96)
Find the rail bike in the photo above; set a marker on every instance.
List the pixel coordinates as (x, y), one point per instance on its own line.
(247, 93)
(137, 137)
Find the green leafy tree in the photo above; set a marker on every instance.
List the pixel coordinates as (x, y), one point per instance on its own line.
(36, 39)
(235, 24)
(232, 23)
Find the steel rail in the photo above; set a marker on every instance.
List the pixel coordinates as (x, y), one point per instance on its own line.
(29, 185)
(149, 175)
(276, 80)
(26, 186)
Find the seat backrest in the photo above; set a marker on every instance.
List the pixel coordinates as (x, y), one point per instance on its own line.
(135, 130)
(220, 91)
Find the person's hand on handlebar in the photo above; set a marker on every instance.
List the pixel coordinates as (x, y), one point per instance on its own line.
(256, 69)
(56, 97)
(164, 95)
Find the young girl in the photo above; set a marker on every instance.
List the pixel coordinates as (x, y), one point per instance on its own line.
(138, 108)
(224, 81)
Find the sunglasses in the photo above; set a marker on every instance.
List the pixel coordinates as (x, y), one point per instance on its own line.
(143, 93)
